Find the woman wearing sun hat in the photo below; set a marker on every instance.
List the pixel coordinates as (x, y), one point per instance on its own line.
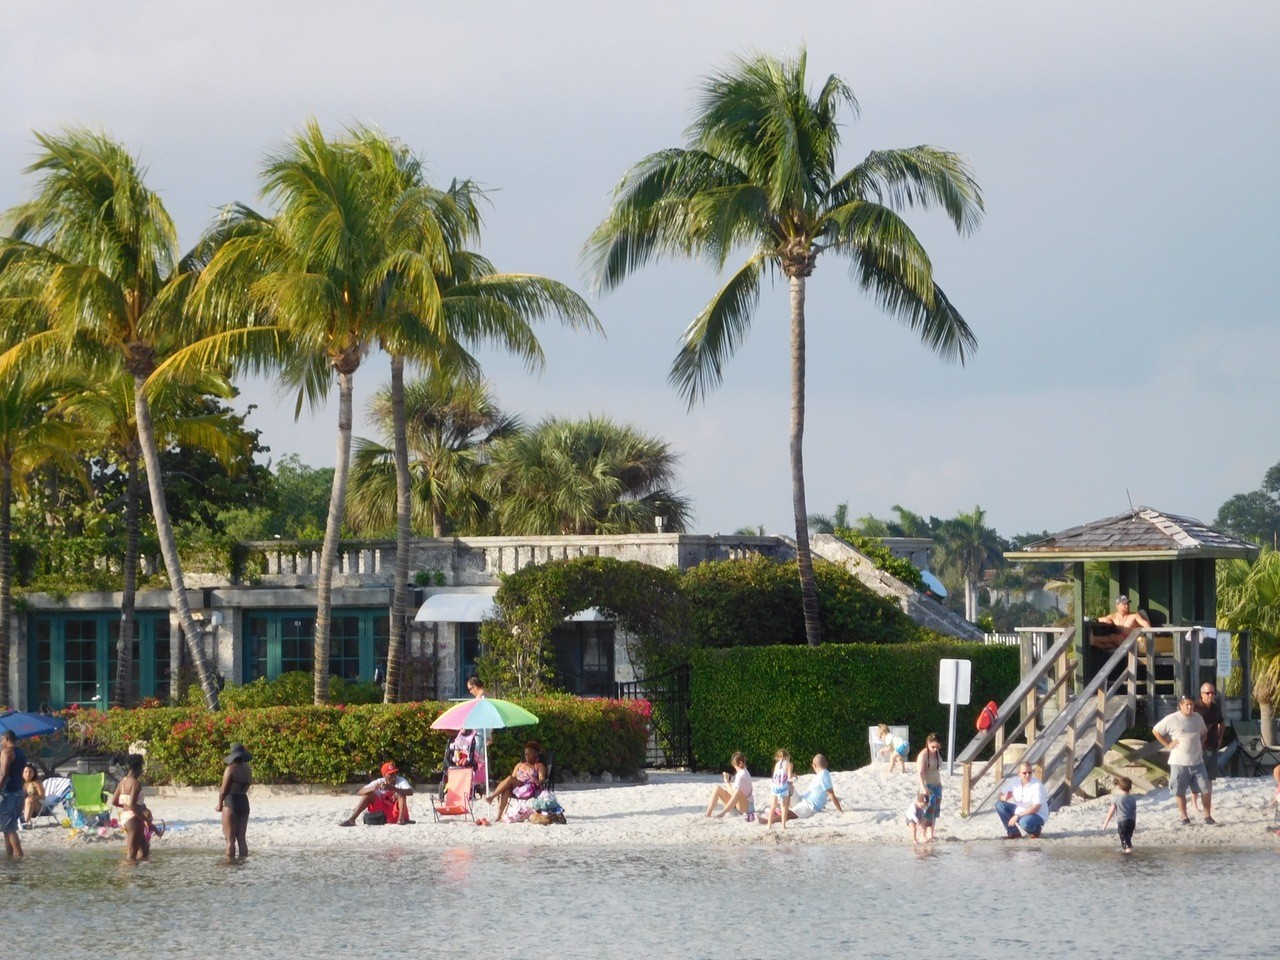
(233, 800)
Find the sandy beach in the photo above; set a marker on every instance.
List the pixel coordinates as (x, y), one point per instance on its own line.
(668, 810)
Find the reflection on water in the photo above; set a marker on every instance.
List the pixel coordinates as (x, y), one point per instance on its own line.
(954, 901)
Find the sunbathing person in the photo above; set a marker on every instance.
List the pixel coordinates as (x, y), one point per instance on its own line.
(387, 795)
(527, 778)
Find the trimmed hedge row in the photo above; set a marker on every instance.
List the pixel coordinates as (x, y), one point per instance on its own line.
(338, 744)
(822, 699)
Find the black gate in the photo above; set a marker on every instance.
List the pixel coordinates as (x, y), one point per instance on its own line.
(670, 736)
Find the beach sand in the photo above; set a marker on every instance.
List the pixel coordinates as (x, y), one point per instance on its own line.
(668, 810)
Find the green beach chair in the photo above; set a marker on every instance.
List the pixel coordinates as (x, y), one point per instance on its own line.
(89, 798)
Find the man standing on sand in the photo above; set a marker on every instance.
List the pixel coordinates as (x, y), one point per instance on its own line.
(1183, 733)
(12, 761)
(1210, 711)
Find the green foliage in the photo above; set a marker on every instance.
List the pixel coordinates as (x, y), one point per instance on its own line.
(821, 699)
(756, 602)
(429, 578)
(646, 602)
(882, 557)
(291, 689)
(338, 744)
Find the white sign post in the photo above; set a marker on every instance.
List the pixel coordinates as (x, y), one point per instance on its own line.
(953, 690)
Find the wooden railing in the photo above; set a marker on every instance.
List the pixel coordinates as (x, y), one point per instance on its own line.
(1044, 682)
(1078, 738)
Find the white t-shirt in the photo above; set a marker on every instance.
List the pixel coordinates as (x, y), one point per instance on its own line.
(742, 782)
(913, 813)
(1189, 732)
(400, 784)
(1027, 795)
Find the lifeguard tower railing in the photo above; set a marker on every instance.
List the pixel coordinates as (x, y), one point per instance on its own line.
(1065, 734)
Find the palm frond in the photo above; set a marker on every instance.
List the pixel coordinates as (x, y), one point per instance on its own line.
(717, 332)
(920, 176)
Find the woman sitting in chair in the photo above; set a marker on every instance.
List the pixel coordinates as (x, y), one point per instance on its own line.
(527, 778)
(34, 790)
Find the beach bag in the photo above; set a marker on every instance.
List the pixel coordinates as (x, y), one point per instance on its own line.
(988, 715)
(525, 791)
(378, 819)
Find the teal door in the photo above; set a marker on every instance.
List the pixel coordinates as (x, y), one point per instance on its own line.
(72, 658)
(278, 641)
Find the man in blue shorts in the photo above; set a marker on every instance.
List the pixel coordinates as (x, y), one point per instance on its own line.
(12, 761)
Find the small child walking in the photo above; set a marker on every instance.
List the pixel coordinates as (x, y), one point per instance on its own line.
(894, 749)
(915, 813)
(1125, 808)
(783, 776)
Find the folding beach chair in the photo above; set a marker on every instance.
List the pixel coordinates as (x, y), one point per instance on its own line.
(89, 799)
(457, 795)
(57, 790)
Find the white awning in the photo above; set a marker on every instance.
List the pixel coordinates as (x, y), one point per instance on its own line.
(457, 608)
(474, 607)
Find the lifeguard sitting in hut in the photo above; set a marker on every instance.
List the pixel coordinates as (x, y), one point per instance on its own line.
(1113, 629)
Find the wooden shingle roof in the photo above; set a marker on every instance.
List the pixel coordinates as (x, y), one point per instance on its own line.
(1143, 534)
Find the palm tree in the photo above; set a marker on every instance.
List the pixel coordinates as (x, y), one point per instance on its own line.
(821, 523)
(449, 426)
(101, 250)
(584, 477)
(969, 549)
(105, 411)
(359, 254)
(759, 170)
(29, 437)
(1249, 599)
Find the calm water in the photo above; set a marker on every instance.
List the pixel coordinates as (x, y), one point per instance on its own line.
(991, 901)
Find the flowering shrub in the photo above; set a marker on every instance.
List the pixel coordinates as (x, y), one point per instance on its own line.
(337, 744)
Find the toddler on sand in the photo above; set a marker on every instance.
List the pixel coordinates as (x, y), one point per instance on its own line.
(783, 776)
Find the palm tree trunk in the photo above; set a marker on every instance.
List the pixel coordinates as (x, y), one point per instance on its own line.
(122, 692)
(971, 599)
(400, 592)
(6, 574)
(332, 534)
(808, 586)
(169, 543)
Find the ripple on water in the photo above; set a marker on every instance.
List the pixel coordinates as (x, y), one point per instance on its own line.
(956, 901)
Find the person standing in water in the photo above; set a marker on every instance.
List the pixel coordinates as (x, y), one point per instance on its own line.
(233, 800)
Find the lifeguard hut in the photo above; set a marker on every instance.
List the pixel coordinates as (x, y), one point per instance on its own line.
(1075, 699)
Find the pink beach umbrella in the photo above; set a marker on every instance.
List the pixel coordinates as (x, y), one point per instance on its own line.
(484, 713)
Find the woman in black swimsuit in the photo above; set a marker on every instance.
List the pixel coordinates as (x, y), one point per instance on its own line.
(233, 800)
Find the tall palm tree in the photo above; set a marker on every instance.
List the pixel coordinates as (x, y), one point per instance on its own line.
(969, 549)
(357, 256)
(450, 424)
(105, 410)
(102, 251)
(1249, 599)
(29, 437)
(759, 171)
(821, 523)
(584, 477)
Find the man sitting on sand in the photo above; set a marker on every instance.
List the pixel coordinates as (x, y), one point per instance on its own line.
(814, 799)
(1023, 806)
(387, 795)
(1121, 622)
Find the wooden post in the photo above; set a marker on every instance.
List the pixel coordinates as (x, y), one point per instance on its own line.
(1069, 758)
(965, 777)
(1131, 682)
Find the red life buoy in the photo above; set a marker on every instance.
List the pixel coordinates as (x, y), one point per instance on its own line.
(988, 715)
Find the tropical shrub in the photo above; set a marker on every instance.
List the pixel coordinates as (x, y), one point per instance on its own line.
(293, 688)
(756, 602)
(822, 699)
(336, 744)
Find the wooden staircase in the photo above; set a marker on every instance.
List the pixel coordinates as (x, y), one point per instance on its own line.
(1065, 744)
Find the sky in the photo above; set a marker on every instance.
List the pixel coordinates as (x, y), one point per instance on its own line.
(1122, 285)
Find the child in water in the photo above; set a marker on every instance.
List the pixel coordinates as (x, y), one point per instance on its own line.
(783, 776)
(914, 814)
(1123, 804)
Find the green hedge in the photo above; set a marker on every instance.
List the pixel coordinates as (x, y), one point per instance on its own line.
(822, 699)
(338, 744)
